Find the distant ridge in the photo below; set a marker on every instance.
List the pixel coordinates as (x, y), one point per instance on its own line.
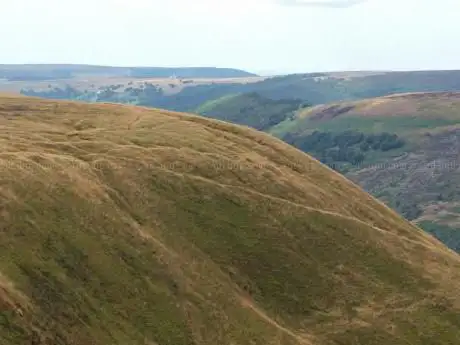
(67, 71)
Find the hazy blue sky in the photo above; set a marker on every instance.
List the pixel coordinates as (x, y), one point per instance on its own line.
(275, 35)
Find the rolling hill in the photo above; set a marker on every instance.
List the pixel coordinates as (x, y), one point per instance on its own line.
(416, 169)
(313, 88)
(127, 225)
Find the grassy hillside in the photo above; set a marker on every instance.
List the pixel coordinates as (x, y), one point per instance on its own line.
(124, 225)
(400, 113)
(418, 172)
(250, 109)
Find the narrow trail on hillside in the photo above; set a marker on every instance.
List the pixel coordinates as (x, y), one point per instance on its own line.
(247, 303)
(136, 121)
(427, 243)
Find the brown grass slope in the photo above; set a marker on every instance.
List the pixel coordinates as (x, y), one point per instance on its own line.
(123, 225)
(429, 104)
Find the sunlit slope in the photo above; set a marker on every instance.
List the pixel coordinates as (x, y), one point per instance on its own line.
(123, 225)
(405, 114)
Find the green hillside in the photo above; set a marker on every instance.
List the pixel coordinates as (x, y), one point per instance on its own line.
(124, 225)
(250, 109)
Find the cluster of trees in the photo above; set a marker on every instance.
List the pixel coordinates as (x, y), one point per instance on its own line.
(148, 94)
(67, 92)
(446, 234)
(351, 147)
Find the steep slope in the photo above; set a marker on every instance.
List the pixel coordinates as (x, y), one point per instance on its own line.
(416, 168)
(123, 225)
(250, 109)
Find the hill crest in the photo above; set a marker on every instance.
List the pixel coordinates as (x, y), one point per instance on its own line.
(395, 104)
(131, 225)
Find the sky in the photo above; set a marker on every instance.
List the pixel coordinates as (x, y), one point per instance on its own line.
(263, 36)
